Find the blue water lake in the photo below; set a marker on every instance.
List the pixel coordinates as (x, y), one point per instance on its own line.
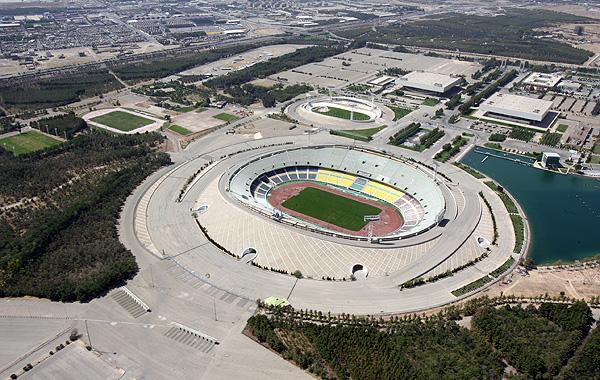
(563, 210)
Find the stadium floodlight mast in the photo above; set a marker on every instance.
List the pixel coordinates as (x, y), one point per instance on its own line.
(369, 219)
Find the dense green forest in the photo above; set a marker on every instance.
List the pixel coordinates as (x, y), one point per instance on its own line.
(55, 92)
(550, 341)
(513, 34)
(67, 125)
(60, 207)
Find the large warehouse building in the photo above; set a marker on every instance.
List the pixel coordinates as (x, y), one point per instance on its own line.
(523, 110)
(437, 84)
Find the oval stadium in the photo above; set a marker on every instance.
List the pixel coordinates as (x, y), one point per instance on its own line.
(335, 190)
(326, 225)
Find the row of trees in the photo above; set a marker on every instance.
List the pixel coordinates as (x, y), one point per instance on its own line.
(165, 66)
(248, 94)
(543, 342)
(285, 62)
(489, 90)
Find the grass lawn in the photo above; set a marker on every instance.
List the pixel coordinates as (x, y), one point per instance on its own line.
(469, 170)
(342, 113)
(471, 286)
(562, 128)
(27, 142)
(331, 208)
(358, 134)
(493, 146)
(551, 138)
(430, 102)
(519, 228)
(399, 112)
(180, 130)
(596, 149)
(595, 159)
(226, 117)
(185, 109)
(123, 121)
(503, 268)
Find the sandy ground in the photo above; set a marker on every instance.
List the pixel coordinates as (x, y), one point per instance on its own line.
(579, 10)
(71, 57)
(576, 283)
(390, 219)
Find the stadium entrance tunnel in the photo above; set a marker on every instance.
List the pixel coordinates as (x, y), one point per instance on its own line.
(248, 255)
(360, 272)
(483, 242)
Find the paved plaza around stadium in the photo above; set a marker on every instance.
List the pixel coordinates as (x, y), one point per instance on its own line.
(168, 229)
(185, 279)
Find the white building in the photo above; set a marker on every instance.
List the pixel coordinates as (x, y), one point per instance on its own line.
(429, 82)
(550, 159)
(518, 107)
(542, 80)
(381, 81)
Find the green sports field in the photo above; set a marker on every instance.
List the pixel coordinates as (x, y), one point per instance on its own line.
(123, 121)
(331, 208)
(27, 142)
(180, 130)
(226, 117)
(342, 113)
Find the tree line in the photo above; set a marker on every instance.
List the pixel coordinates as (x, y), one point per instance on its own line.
(58, 240)
(548, 341)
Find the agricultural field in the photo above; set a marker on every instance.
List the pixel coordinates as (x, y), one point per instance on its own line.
(123, 121)
(226, 117)
(27, 142)
(331, 208)
(342, 114)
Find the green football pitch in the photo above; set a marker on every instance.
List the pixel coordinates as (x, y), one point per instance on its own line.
(342, 113)
(27, 142)
(331, 208)
(123, 121)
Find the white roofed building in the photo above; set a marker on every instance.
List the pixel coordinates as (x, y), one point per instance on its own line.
(542, 80)
(430, 82)
(520, 110)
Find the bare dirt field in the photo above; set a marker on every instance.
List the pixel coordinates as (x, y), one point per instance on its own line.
(390, 218)
(575, 283)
